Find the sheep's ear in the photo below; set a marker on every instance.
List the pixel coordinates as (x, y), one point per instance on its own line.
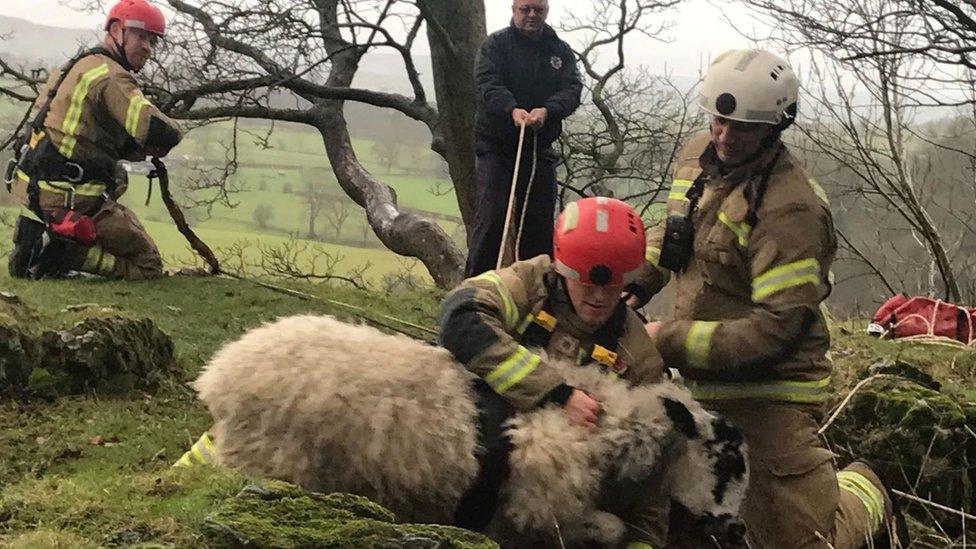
(683, 421)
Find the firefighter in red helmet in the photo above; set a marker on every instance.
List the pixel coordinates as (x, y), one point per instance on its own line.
(66, 173)
(571, 307)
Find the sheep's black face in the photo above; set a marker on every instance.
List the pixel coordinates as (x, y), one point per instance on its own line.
(726, 531)
(726, 451)
(710, 475)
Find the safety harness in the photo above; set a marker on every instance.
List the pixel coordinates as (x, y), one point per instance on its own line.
(481, 500)
(537, 328)
(36, 157)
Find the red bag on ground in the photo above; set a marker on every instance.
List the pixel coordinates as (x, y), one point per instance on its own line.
(903, 316)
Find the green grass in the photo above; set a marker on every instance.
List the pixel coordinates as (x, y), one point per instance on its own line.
(57, 488)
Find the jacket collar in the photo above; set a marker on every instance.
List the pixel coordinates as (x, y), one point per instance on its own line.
(714, 168)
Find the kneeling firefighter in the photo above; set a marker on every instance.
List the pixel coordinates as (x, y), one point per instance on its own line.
(66, 169)
(570, 306)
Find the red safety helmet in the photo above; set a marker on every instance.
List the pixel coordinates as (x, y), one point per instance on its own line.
(138, 14)
(599, 242)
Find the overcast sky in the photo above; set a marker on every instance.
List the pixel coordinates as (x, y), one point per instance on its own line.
(700, 31)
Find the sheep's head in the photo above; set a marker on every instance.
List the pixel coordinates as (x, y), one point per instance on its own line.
(709, 475)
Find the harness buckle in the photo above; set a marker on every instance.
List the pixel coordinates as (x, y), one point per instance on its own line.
(69, 198)
(80, 172)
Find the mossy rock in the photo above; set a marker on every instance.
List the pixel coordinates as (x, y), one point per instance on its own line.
(280, 515)
(916, 437)
(113, 354)
(16, 353)
(16, 343)
(107, 354)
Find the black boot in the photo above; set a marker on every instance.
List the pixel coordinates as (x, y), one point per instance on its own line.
(27, 243)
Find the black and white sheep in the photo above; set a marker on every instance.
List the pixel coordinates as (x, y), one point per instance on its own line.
(337, 407)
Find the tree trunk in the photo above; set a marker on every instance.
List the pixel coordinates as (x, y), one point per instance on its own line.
(455, 31)
(402, 232)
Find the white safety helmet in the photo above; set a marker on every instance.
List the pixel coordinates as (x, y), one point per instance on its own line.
(751, 86)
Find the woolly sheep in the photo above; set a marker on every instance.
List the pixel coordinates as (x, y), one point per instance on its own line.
(335, 407)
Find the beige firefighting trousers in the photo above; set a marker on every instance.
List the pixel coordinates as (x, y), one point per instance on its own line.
(123, 247)
(796, 498)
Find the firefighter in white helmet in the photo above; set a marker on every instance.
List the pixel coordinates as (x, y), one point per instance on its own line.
(749, 242)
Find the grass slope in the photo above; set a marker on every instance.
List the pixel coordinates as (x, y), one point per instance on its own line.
(58, 488)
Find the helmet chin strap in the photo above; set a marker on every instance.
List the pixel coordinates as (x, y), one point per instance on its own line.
(120, 51)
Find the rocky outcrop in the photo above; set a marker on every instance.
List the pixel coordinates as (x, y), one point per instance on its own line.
(919, 437)
(106, 354)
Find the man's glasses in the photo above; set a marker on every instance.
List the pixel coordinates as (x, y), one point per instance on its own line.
(526, 10)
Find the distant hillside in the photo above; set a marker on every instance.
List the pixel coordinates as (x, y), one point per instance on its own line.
(24, 41)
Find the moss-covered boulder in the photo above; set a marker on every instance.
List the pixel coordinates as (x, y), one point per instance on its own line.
(280, 515)
(113, 354)
(16, 343)
(920, 439)
(109, 353)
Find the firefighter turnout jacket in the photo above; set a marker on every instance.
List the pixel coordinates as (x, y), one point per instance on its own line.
(748, 322)
(98, 117)
(494, 324)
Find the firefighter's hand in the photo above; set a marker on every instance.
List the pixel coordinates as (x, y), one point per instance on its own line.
(582, 409)
(652, 329)
(520, 117)
(537, 118)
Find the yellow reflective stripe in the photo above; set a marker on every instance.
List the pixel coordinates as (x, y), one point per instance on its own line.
(639, 545)
(653, 256)
(525, 323)
(71, 120)
(819, 191)
(740, 229)
(202, 452)
(804, 392)
(866, 491)
(513, 370)
(92, 188)
(698, 345)
(25, 212)
(137, 104)
(784, 277)
(84, 189)
(679, 188)
(508, 302)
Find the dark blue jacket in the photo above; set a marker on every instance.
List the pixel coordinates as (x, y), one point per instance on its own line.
(513, 70)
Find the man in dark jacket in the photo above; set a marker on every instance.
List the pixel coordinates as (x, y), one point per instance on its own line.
(525, 75)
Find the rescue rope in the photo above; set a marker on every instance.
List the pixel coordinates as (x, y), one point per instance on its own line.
(528, 192)
(357, 312)
(500, 262)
